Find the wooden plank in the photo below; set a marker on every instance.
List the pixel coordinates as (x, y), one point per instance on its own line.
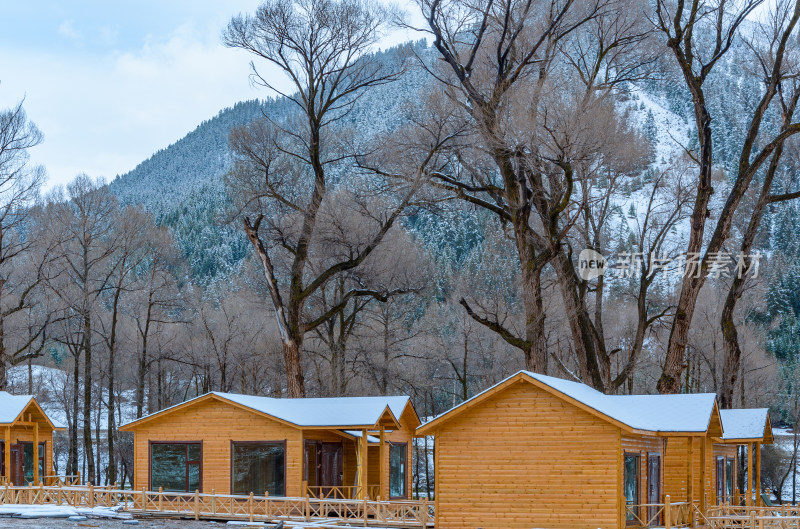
(749, 484)
(757, 474)
(384, 462)
(362, 476)
(36, 453)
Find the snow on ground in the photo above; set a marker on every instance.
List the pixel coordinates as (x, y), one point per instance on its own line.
(62, 511)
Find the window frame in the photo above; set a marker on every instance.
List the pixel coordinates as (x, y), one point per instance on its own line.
(285, 463)
(638, 474)
(730, 478)
(186, 479)
(405, 473)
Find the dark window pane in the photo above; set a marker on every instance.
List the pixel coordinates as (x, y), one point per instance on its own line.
(631, 483)
(169, 467)
(195, 453)
(729, 478)
(258, 468)
(397, 470)
(194, 478)
(27, 461)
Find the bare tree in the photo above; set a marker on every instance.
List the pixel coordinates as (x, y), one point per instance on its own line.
(537, 80)
(282, 169)
(20, 184)
(87, 221)
(699, 34)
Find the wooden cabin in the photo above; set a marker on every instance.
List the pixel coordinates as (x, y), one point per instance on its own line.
(539, 451)
(748, 428)
(27, 437)
(348, 447)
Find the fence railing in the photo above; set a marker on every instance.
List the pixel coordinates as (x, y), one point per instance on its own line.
(56, 480)
(668, 514)
(754, 517)
(342, 492)
(202, 505)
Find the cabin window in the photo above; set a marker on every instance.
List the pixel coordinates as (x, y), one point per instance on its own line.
(27, 461)
(397, 470)
(729, 478)
(259, 467)
(631, 487)
(721, 481)
(176, 466)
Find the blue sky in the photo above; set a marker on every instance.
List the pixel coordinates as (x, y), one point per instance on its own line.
(109, 83)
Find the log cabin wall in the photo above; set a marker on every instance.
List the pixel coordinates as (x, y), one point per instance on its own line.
(216, 424)
(525, 458)
(676, 468)
(645, 446)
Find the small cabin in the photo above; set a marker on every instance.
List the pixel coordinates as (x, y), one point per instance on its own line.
(748, 428)
(27, 437)
(347, 447)
(539, 451)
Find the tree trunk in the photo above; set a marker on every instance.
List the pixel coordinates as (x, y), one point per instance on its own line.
(536, 355)
(72, 459)
(580, 324)
(4, 360)
(87, 399)
(112, 347)
(142, 371)
(292, 358)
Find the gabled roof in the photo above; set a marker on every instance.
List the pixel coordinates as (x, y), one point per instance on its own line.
(683, 413)
(746, 425)
(345, 413)
(12, 407)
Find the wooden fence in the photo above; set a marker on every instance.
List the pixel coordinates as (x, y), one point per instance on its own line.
(753, 517)
(341, 492)
(411, 514)
(668, 514)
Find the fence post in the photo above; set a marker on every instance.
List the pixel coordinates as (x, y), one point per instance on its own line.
(144, 499)
(365, 507)
(267, 510)
(424, 513)
(308, 507)
(196, 504)
(41, 492)
(91, 495)
(160, 499)
(213, 501)
(667, 513)
(250, 506)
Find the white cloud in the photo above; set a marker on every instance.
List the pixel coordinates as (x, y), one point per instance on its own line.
(67, 29)
(104, 109)
(106, 115)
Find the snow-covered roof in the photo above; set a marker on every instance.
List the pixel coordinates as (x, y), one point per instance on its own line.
(323, 412)
(744, 424)
(333, 412)
(689, 413)
(12, 405)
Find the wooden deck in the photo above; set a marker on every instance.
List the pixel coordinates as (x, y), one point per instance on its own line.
(401, 514)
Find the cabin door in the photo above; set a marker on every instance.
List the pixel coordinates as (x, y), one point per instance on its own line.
(653, 488)
(17, 465)
(330, 466)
